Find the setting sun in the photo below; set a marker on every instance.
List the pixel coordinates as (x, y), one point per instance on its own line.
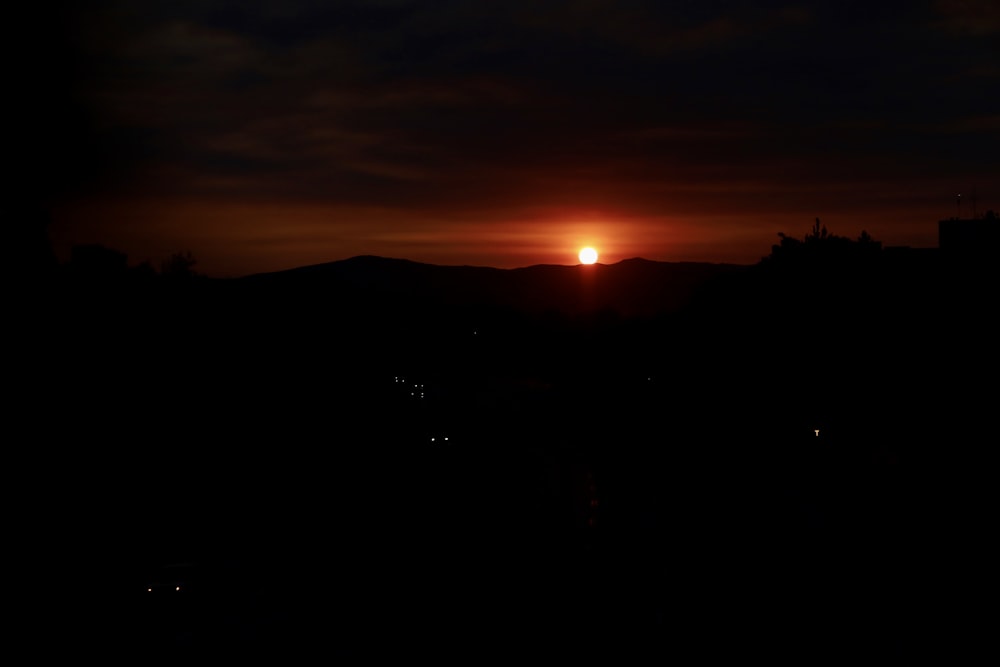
(588, 256)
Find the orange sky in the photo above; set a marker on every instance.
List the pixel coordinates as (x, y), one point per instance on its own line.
(231, 239)
(267, 136)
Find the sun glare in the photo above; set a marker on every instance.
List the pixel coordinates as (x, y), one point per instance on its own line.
(588, 255)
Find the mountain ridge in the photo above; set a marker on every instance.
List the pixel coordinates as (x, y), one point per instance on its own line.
(631, 287)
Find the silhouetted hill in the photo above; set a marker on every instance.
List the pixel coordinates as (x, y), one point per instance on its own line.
(709, 435)
(630, 288)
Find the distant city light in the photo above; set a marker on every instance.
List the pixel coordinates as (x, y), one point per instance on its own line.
(816, 431)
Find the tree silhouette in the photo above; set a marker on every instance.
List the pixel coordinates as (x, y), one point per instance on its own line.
(820, 247)
(818, 233)
(865, 237)
(179, 266)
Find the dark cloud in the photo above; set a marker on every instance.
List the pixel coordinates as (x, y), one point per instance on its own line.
(618, 106)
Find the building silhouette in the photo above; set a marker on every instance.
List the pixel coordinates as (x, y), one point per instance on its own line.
(969, 237)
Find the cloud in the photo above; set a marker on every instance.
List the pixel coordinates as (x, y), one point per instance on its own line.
(498, 112)
(978, 18)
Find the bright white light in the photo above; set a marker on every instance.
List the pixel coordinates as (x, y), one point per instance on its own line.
(588, 255)
(816, 431)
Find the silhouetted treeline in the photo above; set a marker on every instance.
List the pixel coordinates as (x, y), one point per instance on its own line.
(809, 319)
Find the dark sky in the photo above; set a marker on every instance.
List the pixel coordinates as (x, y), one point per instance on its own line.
(266, 135)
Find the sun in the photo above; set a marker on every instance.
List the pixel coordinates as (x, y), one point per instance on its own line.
(588, 255)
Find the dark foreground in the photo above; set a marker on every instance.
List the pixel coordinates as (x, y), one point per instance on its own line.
(609, 494)
(556, 548)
